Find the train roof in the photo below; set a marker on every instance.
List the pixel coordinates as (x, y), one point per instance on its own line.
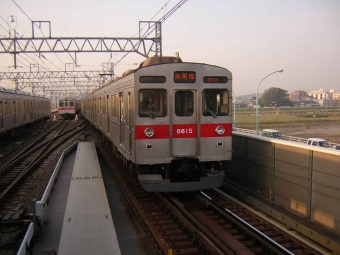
(155, 60)
(19, 92)
(8, 90)
(68, 98)
(13, 91)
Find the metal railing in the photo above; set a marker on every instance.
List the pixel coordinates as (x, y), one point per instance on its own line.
(284, 137)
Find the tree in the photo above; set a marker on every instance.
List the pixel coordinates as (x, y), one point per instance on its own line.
(275, 97)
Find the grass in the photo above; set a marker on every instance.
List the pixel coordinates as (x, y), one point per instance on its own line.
(297, 110)
(287, 115)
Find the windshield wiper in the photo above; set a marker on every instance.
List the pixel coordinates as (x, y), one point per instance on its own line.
(212, 113)
(151, 115)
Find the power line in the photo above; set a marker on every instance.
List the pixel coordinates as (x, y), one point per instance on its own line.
(22, 10)
(16, 33)
(138, 33)
(41, 32)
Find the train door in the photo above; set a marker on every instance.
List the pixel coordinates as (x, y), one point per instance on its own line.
(184, 123)
(14, 110)
(101, 99)
(38, 109)
(122, 120)
(25, 111)
(1, 117)
(108, 114)
(130, 122)
(95, 111)
(31, 111)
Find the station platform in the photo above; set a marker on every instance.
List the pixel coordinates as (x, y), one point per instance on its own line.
(79, 220)
(88, 226)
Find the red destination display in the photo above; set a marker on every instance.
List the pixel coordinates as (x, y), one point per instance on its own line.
(184, 77)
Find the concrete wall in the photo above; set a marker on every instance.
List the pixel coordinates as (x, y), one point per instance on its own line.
(302, 178)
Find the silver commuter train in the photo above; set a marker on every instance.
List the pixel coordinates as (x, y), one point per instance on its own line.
(171, 121)
(18, 110)
(68, 107)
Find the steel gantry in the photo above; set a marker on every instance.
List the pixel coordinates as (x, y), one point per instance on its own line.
(144, 45)
(148, 43)
(47, 82)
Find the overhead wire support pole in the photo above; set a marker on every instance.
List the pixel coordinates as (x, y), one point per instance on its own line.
(34, 23)
(158, 34)
(14, 19)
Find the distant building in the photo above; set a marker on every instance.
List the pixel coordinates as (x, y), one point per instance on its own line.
(321, 94)
(326, 99)
(328, 102)
(298, 96)
(336, 95)
(241, 104)
(306, 104)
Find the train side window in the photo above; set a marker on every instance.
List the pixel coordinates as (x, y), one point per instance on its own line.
(19, 108)
(7, 110)
(103, 105)
(112, 106)
(215, 102)
(61, 103)
(152, 103)
(184, 103)
(13, 108)
(116, 107)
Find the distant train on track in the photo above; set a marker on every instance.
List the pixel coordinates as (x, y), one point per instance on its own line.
(68, 107)
(170, 121)
(18, 110)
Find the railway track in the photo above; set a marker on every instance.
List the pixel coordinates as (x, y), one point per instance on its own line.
(201, 223)
(24, 178)
(15, 144)
(15, 169)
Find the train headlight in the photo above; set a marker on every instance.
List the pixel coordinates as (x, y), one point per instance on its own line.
(220, 130)
(149, 132)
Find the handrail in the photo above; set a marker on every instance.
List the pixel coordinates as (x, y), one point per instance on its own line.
(284, 137)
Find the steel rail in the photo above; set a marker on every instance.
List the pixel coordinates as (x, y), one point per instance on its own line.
(36, 161)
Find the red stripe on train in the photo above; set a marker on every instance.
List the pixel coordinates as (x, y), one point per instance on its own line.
(161, 132)
(182, 131)
(208, 130)
(65, 108)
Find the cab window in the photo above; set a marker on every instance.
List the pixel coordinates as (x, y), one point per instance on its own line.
(152, 103)
(215, 102)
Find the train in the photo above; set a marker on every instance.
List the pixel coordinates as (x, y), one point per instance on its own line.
(19, 110)
(170, 121)
(68, 107)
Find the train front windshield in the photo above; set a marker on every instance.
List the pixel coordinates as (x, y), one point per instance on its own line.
(152, 103)
(215, 102)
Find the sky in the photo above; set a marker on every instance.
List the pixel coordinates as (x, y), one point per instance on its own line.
(251, 38)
